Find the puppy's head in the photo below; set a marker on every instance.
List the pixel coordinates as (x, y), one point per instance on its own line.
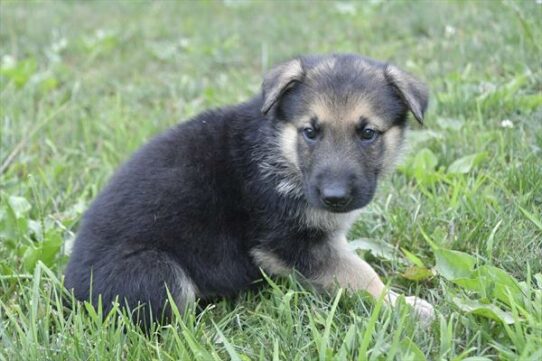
(341, 120)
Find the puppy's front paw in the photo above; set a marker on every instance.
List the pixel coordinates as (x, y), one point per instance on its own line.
(423, 309)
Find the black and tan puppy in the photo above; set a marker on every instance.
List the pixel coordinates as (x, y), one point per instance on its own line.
(273, 184)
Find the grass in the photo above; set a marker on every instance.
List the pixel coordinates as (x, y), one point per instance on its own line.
(84, 84)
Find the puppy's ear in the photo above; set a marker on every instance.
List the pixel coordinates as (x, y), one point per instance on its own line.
(278, 80)
(413, 92)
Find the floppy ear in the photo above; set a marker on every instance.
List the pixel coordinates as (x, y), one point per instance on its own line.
(278, 80)
(413, 92)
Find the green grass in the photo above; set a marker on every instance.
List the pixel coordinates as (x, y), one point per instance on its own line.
(84, 84)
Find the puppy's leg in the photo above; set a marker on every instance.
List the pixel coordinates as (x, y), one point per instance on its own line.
(336, 264)
(351, 272)
(141, 280)
(347, 270)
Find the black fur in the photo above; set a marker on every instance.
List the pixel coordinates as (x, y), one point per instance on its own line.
(196, 198)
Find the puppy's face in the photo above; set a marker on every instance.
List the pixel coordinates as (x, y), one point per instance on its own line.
(341, 121)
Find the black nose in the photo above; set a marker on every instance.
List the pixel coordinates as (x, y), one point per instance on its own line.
(335, 196)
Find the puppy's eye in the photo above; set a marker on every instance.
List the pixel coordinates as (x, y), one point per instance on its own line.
(367, 134)
(310, 133)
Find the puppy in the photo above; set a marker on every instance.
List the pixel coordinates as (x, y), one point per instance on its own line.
(272, 184)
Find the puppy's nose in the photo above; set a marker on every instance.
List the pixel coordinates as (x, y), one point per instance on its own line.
(335, 196)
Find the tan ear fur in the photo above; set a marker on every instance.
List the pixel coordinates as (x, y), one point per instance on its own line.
(278, 80)
(413, 92)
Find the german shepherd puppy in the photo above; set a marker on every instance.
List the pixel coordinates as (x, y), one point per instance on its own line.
(272, 184)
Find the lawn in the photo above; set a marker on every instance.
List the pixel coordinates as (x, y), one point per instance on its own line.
(459, 223)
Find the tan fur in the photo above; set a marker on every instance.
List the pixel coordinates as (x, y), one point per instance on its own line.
(287, 146)
(346, 270)
(349, 271)
(288, 143)
(348, 111)
(393, 143)
(277, 79)
(269, 262)
(188, 290)
(339, 222)
(407, 84)
(346, 114)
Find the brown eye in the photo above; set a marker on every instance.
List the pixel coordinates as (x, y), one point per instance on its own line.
(309, 133)
(367, 134)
